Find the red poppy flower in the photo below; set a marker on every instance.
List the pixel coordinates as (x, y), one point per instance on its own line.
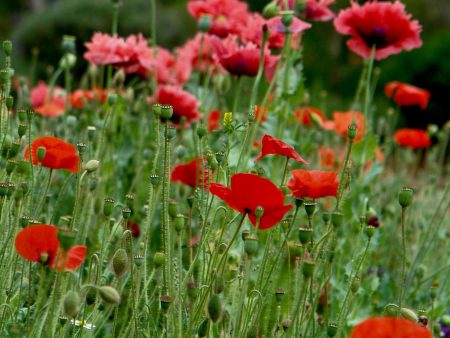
(382, 24)
(405, 94)
(40, 244)
(343, 119)
(277, 31)
(58, 154)
(134, 228)
(412, 138)
(317, 10)
(249, 191)
(303, 114)
(199, 53)
(79, 98)
(191, 173)
(327, 158)
(213, 120)
(389, 327)
(260, 114)
(313, 183)
(241, 59)
(184, 104)
(46, 105)
(271, 145)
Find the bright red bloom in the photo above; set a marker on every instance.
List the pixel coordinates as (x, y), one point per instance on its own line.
(382, 24)
(313, 183)
(191, 173)
(46, 102)
(271, 145)
(184, 104)
(79, 98)
(389, 327)
(40, 244)
(412, 138)
(317, 10)
(213, 120)
(58, 154)
(303, 114)
(249, 191)
(343, 119)
(240, 60)
(227, 16)
(327, 158)
(405, 94)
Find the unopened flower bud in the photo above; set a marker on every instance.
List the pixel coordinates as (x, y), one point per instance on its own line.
(214, 308)
(409, 314)
(178, 222)
(192, 289)
(204, 23)
(158, 259)
(111, 99)
(352, 131)
(120, 262)
(219, 284)
(119, 77)
(109, 295)
(270, 10)
(68, 61)
(92, 165)
(355, 284)
(71, 304)
(203, 329)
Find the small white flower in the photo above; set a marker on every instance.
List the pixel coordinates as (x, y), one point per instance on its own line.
(85, 325)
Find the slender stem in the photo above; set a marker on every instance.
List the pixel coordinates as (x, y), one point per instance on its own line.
(403, 277)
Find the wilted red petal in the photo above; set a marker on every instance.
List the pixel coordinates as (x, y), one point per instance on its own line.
(271, 145)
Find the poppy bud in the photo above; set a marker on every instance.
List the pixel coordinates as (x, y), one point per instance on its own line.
(192, 289)
(285, 223)
(214, 308)
(120, 262)
(178, 223)
(91, 296)
(129, 199)
(108, 206)
(251, 245)
(212, 162)
(287, 17)
(126, 213)
(173, 208)
(286, 324)
(305, 235)
(310, 207)
(337, 218)
(154, 179)
(9, 102)
(201, 130)
(370, 231)
(409, 314)
(158, 259)
(332, 330)
(68, 61)
(405, 197)
(279, 294)
(352, 131)
(71, 121)
(7, 47)
(41, 153)
(190, 200)
(166, 111)
(111, 99)
(66, 237)
(92, 165)
(219, 284)
(434, 290)
(308, 268)
(355, 284)
(445, 319)
(203, 328)
(270, 10)
(68, 44)
(109, 295)
(204, 23)
(119, 77)
(165, 301)
(71, 304)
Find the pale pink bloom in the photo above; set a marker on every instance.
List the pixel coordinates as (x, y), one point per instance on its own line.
(317, 10)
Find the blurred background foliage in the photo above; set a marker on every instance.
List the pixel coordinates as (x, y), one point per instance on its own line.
(37, 27)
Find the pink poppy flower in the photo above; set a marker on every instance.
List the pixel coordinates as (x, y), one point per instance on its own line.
(184, 104)
(317, 10)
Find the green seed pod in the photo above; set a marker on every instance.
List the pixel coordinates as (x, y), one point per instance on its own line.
(126, 213)
(138, 260)
(91, 131)
(158, 259)
(111, 99)
(91, 296)
(166, 112)
(22, 129)
(337, 218)
(71, 121)
(308, 268)
(7, 47)
(251, 245)
(66, 237)
(10, 166)
(173, 208)
(352, 131)
(154, 180)
(220, 156)
(355, 284)
(171, 132)
(279, 295)
(286, 324)
(203, 328)
(165, 302)
(71, 304)
(219, 284)
(305, 235)
(15, 147)
(109, 295)
(156, 109)
(204, 23)
(120, 262)
(192, 289)
(22, 114)
(214, 308)
(310, 208)
(252, 332)
(81, 148)
(409, 314)
(24, 221)
(179, 222)
(332, 330)
(326, 217)
(108, 206)
(405, 197)
(287, 17)
(370, 231)
(201, 131)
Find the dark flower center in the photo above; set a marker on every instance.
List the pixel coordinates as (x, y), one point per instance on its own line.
(247, 210)
(377, 37)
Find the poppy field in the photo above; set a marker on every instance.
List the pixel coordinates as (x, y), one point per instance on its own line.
(199, 192)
